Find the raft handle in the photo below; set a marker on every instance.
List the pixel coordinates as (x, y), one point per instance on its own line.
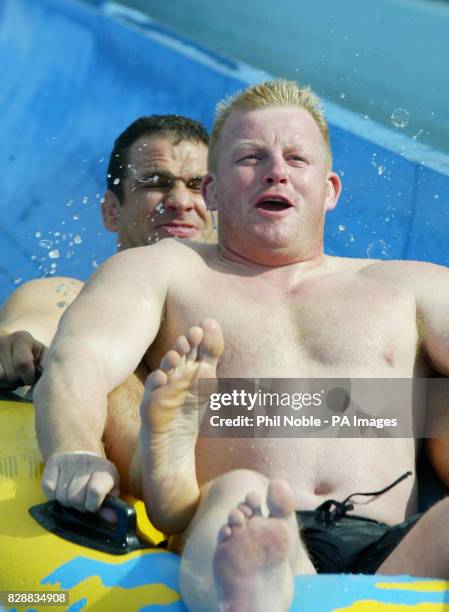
(87, 529)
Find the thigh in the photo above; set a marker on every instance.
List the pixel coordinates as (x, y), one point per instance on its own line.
(424, 551)
(123, 424)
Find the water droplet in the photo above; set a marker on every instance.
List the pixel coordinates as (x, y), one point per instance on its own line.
(38, 234)
(377, 249)
(94, 263)
(45, 244)
(380, 170)
(85, 200)
(75, 217)
(116, 181)
(77, 239)
(54, 254)
(342, 95)
(18, 280)
(400, 117)
(436, 196)
(61, 304)
(341, 228)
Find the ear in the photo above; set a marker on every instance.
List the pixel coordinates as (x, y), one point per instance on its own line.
(110, 211)
(333, 190)
(208, 191)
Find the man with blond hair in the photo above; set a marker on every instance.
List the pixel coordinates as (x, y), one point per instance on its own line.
(281, 309)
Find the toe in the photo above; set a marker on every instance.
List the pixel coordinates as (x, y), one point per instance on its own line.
(236, 518)
(170, 360)
(254, 501)
(245, 510)
(156, 379)
(280, 499)
(182, 346)
(212, 345)
(194, 336)
(224, 533)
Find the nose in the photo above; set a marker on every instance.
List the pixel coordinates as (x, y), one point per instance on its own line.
(179, 197)
(276, 171)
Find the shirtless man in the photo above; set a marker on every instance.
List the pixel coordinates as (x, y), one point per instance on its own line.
(153, 192)
(285, 310)
(142, 204)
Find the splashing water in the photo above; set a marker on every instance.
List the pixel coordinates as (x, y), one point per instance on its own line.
(377, 249)
(400, 118)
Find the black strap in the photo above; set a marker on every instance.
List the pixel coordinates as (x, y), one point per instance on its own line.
(331, 510)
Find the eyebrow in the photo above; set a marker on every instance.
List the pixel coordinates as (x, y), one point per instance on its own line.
(241, 144)
(146, 175)
(257, 144)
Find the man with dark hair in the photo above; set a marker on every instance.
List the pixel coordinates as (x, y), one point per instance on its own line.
(153, 191)
(175, 127)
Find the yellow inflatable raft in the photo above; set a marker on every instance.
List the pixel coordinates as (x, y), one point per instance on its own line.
(34, 560)
(36, 563)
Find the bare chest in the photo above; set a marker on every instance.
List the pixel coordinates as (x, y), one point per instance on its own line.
(332, 326)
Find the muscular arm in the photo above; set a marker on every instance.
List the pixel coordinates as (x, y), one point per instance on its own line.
(437, 447)
(430, 285)
(433, 308)
(28, 323)
(101, 339)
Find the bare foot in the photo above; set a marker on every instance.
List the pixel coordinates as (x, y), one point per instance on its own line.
(170, 421)
(252, 565)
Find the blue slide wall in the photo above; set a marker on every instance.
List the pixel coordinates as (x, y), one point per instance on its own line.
(74, 75)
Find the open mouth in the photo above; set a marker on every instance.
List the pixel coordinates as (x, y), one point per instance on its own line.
(273, 204)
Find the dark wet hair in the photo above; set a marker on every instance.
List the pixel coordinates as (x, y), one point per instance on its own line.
(174, 126)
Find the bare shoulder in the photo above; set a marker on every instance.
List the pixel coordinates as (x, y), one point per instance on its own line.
(41, 295)
(37, 306)
(416, 276)
(163, 259)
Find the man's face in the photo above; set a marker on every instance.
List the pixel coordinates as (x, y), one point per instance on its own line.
(162, 196)
(272, 185)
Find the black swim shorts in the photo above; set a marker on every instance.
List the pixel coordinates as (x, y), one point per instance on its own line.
(349, 544)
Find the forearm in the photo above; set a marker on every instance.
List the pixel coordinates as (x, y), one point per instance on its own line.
(70, 402)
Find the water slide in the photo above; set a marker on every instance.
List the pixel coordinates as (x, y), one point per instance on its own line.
(75, 74)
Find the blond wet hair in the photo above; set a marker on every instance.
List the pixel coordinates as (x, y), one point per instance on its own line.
(279, 92)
